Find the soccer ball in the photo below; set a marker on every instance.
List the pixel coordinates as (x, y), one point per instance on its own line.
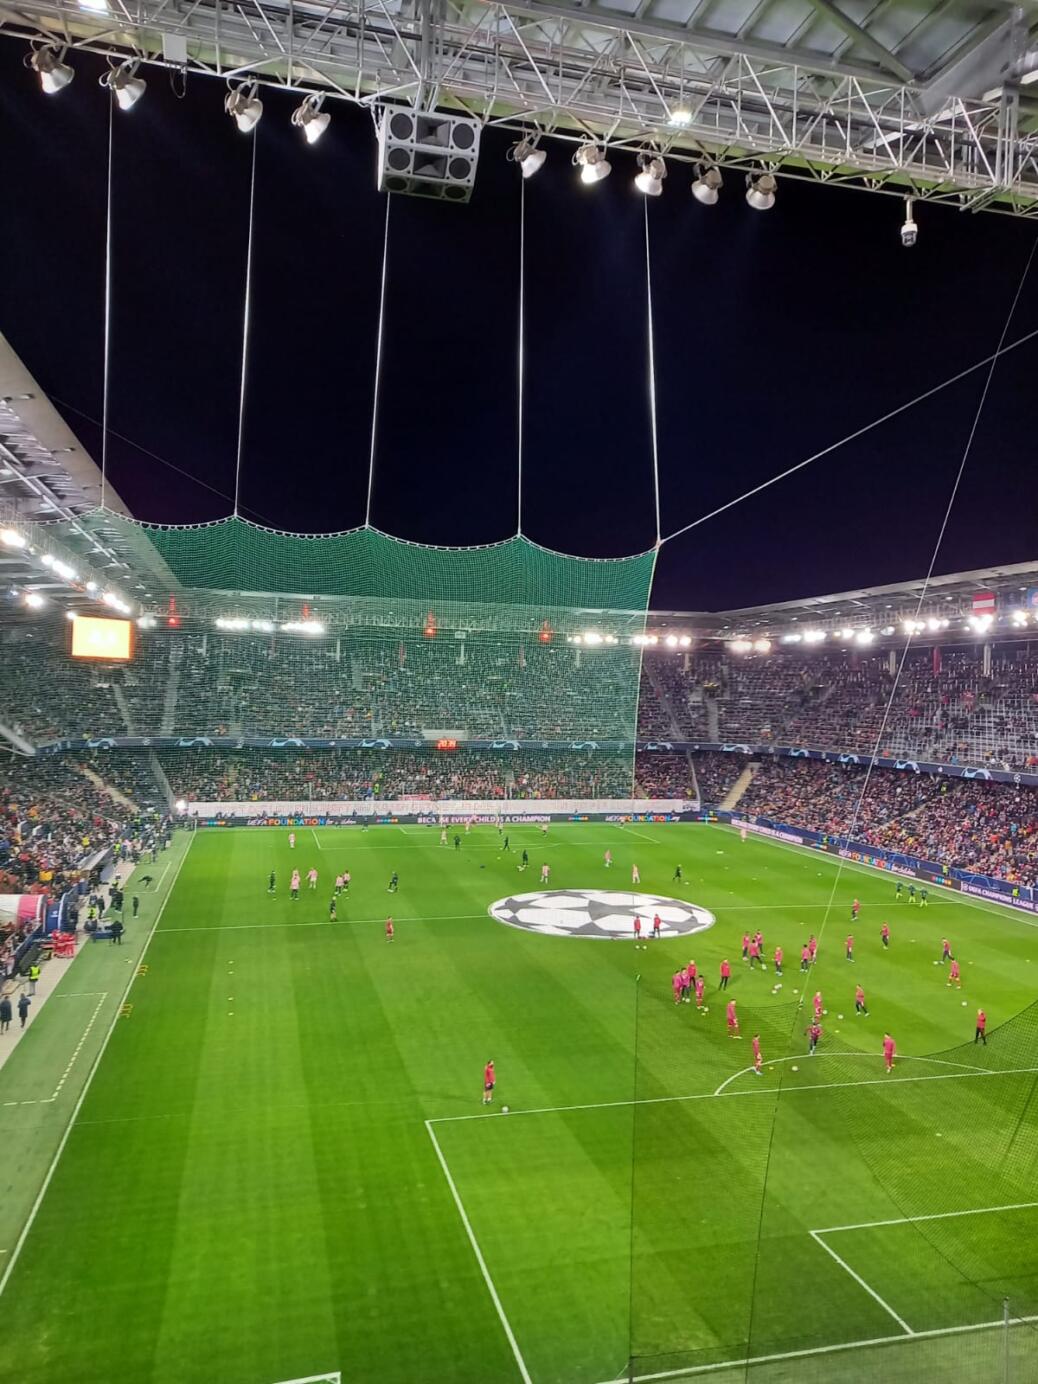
(825, 1011)
(964, 1004)
(779, 986)
(794, 1069)
(839, 1016)
(504, 1110)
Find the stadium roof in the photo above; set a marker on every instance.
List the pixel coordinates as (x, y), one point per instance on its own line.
(886, 605)
(931, 97)
(48, 478)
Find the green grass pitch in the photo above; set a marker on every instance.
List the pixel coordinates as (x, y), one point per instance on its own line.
(280, 1166)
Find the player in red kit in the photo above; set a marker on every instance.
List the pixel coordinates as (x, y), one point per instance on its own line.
(389, 929)
(726, 974)
(677, 984)
(754, 952)
(855, 910)
(778, 961)
(757, 1059)
(889, 1052)
(805, 957)
(814, 1033)
(812, 948)
(981, 1033)
(732, 1020)
(954, 978)
(884, 934)
(859, 1001)
(745, 945)
(946, 954)
(850, 948)
(656, 924)
(817, 1002)
(488, 1083)
(700, 987)
(637, 932)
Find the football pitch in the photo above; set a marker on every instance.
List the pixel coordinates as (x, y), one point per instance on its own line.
(249, 1146)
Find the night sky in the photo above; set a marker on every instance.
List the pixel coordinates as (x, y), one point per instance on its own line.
(776, 335)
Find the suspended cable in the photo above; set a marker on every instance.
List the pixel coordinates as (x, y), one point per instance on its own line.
(992, 361)
(521, 355)
(859, 432)
(378, 365)
(652, 377)
(246, 318)
(106, 363)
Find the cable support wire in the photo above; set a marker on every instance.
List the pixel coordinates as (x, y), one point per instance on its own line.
(378, 365)
(246, 321)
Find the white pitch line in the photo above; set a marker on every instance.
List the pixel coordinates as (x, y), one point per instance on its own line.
(34, 1211)
(165, 872)
(334, 1378)
(815, 1235)
(632, 831)
(79, 1045)
(523, 1371)
(746, 1361)
(736, 1095)
(326, 922)
(901, 1057)
(934, 1216)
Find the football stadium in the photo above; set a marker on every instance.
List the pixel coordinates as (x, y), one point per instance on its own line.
(518, 720)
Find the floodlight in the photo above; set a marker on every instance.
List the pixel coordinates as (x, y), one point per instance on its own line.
(685, 641)
(592, 162)
(244, 106)
(909, 231)
(740, 646)
(123, 81)
(11, 538)
(309, 118)
(181, 805)
(671, 641)
(680, 117)
(70, 614)
(814, 636)
(46, 62)
(34, 600)
(527, 155)
(760, 190)
(762, 646)
(863, 637)
(652, 172)
(707, 185)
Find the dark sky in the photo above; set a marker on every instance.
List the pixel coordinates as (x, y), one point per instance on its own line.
(776, 335)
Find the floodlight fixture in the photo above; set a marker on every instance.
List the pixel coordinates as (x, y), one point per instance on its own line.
(707, 185)
(760, 190)
(527, 155)
(34, 600)
(652, 171)
(909, 231)
(46, 61)
(124, 83)
(11, 538)
(243, 105)
(591, 159)
(309, 118)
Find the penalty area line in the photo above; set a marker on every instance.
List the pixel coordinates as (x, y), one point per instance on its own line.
(747, 1361)
(817, 1237)
(736, 1095)
(498, 1306)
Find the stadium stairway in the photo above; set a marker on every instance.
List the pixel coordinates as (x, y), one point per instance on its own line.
(114, 793)
(169, 699)
(160, 778)
(124, 709)
(662, 697)
(19, 742)
(739, 787)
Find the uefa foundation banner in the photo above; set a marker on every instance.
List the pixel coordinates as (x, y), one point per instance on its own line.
(422, 812)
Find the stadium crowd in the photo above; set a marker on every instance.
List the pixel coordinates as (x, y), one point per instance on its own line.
(981, 826)
(201, 775)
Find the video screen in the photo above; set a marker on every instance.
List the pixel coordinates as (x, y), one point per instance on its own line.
(95, 637)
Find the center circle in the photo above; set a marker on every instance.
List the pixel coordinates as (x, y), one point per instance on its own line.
(599, 913)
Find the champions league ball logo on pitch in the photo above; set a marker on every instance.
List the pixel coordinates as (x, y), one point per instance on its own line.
(599, 913)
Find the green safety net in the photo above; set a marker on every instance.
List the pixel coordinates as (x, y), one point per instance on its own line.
(235, 555)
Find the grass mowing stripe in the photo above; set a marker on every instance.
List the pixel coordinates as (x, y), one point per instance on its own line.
(13, 1260)
(523, 1371)
(816, 1236)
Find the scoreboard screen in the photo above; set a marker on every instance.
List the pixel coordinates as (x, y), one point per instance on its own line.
(446, 744)
(94, 637)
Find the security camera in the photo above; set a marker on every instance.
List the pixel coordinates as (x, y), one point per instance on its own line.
(909, 231)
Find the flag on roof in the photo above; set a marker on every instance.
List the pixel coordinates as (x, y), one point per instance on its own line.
(984, 603)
